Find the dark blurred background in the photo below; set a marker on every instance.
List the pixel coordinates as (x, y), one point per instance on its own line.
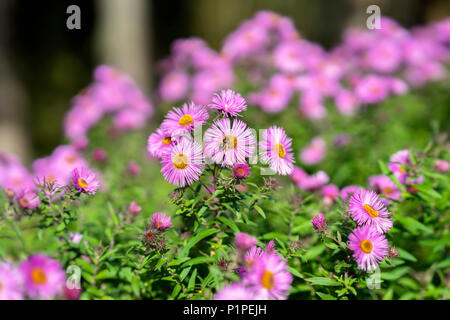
(43, 64)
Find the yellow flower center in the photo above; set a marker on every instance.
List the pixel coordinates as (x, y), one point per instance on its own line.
(167, 140)
(371, 211)
(240, 171)
(38, 276)
(401, 170)
(1, 286)
(180, 161)
(71, 159)
(366, 246)
(82, 183)
(249, 262)
(24, 202)
(229, 142)
(267, 280)
(186, 120)
(387, 190)
(280, 150)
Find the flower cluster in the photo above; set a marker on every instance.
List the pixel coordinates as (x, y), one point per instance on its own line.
(193, 72)
(112, 93)
(229, 142)
(264, 273)
(351, 74)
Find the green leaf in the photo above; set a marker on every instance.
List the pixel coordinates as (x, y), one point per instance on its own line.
(406, 255)
(260, 211)
(195, 239)
(230, 224)
(325, 296)
(191, 284)
(198, 260)
(322, 281)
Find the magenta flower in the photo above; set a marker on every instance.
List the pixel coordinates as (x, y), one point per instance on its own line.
(367, 209)
(28, 199)
(314, 152)
(184, 119)
(229, 102)
(227, 143)
(276, 150)
(184, 164)
(384, 185)
(159, 143)
(75, 237)
(161, 221)
(173, 86)
(330, 192)
(397, 163)
(372, 89)
(134, 168)
(99, 154)
(370, 247)
(269, 278)
(253, 254)
(319, 222)
(442, 165)
(348, 191)
(134, 208)
(84, 180)
(346, 102)
(43, 277)
(244, 241)
(235, 291)
(241, 170)
(11, 282)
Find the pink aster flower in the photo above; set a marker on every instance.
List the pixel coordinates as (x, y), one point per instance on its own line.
(174, 86)
(28, 199)
(84, 180)
(372, 89)
(244, 241)
(367, 209)
(99, 154)
(348, 191)
(397, 162)
(384, 185)
(43, 277)
(134, 208)
(227, 143)
(184, 164)
(241, 170)
(276, 150)
(159, 143)
(314, 181)
(346, 102)
(235, 291)
(133, 168)
(298, 174)
(253, 254)
(11, 282)
(330, 192)
(229, 102)
(314, 152)
(161, 221)
(184, 119)
(75, 237)
(269, 278)
(370, 247)
(442, 165)
(319, 222)
(271, 247)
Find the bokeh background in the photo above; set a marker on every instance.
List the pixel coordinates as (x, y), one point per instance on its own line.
(43, 64)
